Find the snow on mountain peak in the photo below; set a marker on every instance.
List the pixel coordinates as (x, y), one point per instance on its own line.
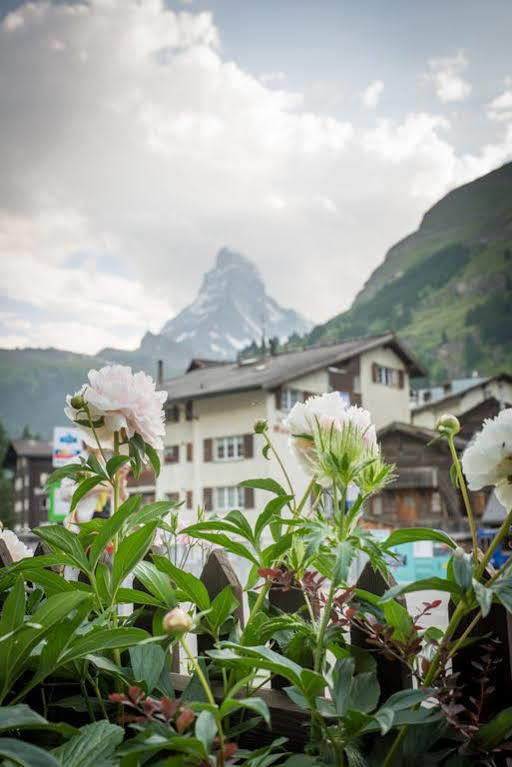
(233, 304)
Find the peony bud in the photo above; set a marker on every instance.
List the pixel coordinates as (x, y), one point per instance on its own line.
(77, 401)
(260, 426)
(177, 621)
(448, 425)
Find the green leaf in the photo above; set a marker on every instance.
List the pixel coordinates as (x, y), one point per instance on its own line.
(274, 552)
(127, 596)
(206, 729)
(156, 582)
(405, 699)
(131, 550)
(264, 484)
(61, 539)
(384, 716)
(115, 463)
(497, 731)
(462, 568)
(342, 680)
(344, 554)
(194, 589)
(95, 465)
(103, 639)
(410, 535)
(149, 513)
(230, 545)
(364, 692)
(153, 458)
(424, 584)
(19, 716)
(503, 590)
(253, 704)
(83, 488)
(25, 754)
(243, 527)
(221, 608)
(147, 663)
(271, 510)
(13, 614)
(93, 747)
(52, 582)
(111, 526)
(71, 471)
(483, 597)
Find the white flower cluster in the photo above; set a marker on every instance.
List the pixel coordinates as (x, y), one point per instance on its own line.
(488, 459)
(323, 431)
(120, 399)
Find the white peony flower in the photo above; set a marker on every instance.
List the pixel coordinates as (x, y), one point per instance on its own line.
(17, 548)
(488, 459)
(123, 400)
(323, 429)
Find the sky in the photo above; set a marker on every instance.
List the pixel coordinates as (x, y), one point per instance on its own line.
(138, 138)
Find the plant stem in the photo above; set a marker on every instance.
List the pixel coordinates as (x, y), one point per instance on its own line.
(319, 649)
(87, 701)
(256, 607)
(283, 469)
(208, 693)
(95, 435)
(94, 682)
(305, 497)
(504, 567)
(464, 635)
(465, 496)
(502, 532)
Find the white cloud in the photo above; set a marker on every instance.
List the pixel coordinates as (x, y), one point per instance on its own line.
(273, 77)
(137, 139)
(500, 108)
(446, 73)
(372, 93)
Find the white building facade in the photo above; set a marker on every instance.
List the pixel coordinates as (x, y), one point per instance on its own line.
(211, 410)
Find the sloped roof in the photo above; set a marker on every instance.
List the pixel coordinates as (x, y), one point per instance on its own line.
(420, 433)
(495, 512)
(270, 372)
(32, 448)
(454, 395)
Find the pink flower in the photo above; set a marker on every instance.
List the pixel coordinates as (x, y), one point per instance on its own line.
(122, 400)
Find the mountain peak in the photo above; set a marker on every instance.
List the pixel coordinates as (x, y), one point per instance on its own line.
(231, 310)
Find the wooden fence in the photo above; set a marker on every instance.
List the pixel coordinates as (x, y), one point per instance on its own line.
(288, 719)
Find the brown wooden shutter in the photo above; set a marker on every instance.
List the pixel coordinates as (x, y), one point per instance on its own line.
(189, 499)
(278, 398)
(248, 445)
(189, 451)
(208, 498)
(375, 372)
(207, 450)
(189, 410)
(401, 379)
(249, 497)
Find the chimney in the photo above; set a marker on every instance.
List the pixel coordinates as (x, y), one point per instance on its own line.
(160, 373)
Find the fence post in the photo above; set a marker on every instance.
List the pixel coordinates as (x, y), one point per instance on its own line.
(288, 601)
(216, 575)
(392, 674)
(498, 625)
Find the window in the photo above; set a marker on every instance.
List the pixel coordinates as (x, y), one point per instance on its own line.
(173, 414)
(18, 483)
(289, 397)
(227, 498)
(172, 454)
(436, 503)
(18, 506)
(27, 480)
(377, 505)
(388, 376)
(172, 497)
(229, 448)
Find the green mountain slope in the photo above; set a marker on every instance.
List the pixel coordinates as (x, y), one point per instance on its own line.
(447, 288)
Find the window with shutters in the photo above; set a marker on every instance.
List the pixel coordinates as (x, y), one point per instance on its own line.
(173, 497)
(229, 448)
(172, 454)
(289, 397)
(388, 376)
(173, 414)
(227, 498)
(190, 451)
